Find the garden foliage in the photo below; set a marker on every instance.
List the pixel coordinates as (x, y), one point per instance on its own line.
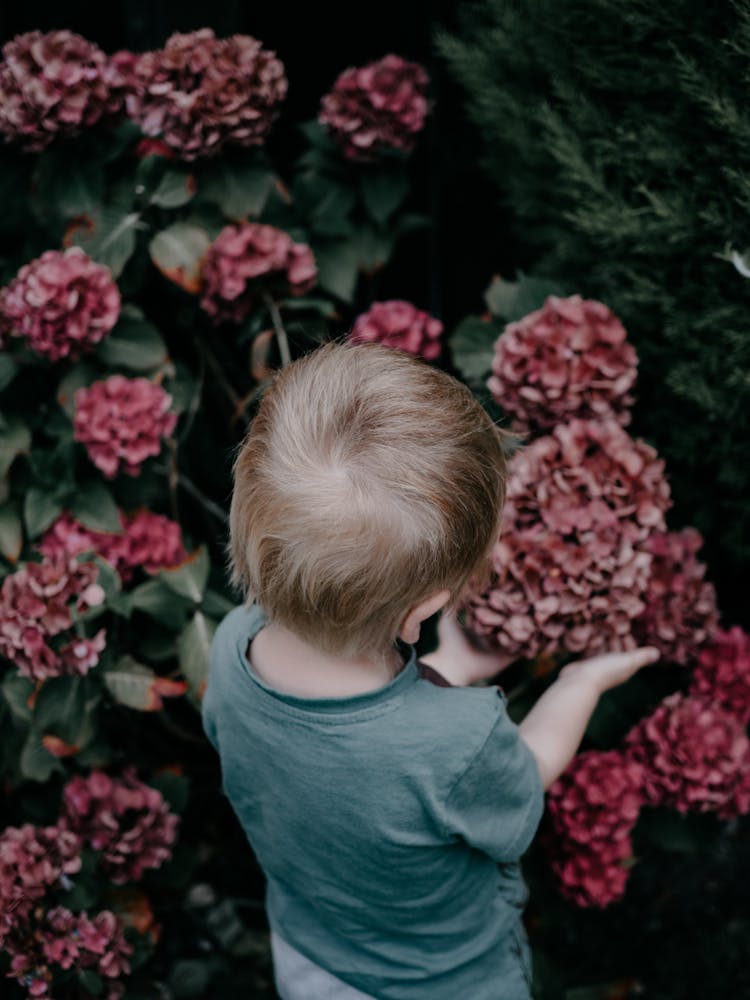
(618, 136)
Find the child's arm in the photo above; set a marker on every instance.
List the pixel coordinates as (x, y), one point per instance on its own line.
(554, 727)
(458, 660)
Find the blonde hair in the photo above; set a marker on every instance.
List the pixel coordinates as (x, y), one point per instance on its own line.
(367, 481)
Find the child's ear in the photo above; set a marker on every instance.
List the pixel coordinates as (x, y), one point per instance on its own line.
(410, 626)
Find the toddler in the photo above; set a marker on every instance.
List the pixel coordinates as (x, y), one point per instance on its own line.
(387, 802)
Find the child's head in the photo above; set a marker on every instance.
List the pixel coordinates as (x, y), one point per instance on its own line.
(367, 482)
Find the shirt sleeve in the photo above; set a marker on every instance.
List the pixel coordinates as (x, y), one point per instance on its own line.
(497, 802)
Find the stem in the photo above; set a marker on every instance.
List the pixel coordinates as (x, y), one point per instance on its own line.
(278, 326)
(172, 477)
(218, 372)
(195, 399)
(189, 486)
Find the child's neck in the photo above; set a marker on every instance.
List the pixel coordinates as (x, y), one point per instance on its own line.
(291, 665)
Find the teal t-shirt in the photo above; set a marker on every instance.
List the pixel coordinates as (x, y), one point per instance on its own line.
(388, 824)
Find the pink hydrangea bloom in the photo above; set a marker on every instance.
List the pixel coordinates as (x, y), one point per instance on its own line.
(382, 105)
(32, 859)
(248, 258)
(148, 541)
(681, 613)
(568, 359)
(120, 75)
(399, 324)
(35, 609)
(121, 421)
(62, 303)
(722, 675)
(571, 563)
(696, 756)
(591, 811)
(201, 93)
(128, 821)
(51, 84)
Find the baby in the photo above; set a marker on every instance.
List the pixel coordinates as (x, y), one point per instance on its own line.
(387, 802)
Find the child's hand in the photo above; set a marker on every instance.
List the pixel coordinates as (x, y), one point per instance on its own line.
(458, 659)
(610, 669)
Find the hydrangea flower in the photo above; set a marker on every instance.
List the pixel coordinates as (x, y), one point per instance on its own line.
(148, 541)
(63, 303)
(382, 105)
(35, 609)
(248, 258)
(399, 324)
(571, 561)
(722, 674)
(568, 359)
(200, 93)
(681, 613)
(591, 811)
(128, 821)
(696, 757)
(51, 84)
(121, 421)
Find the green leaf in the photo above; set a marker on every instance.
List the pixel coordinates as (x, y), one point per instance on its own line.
(189, 579)
(40, 509)
(135, 685)
(11, 532)
(472, 346)
(216, 605)
(108, 236)
(178, 253)
(190, 977)
(17, 690)
(36, 762)
(9, 368)
(15, 439)
(65, 185)
(338, 267)
(240, 190)
(90, 981)
(175, 188)
(109, 580)
(94, 506)
(80, 375)
(134, 343)
(159, 601)
(66, 708)
(374, 247)
(193, 646)
(512, 300)
(384, 188)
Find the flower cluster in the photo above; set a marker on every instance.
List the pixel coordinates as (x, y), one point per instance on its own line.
(148, 541)
(201, 93)
(70, 941)
(32, 859)
(379, 106)
(399, 324)
(696, 757)
(62, 303)
(51, 84)
(568, 359)
(722, 674)
(127, 821)
(571, 560)
(36, 617)
(591, 811)
(681, 613)
(247, 259)
(121, 421)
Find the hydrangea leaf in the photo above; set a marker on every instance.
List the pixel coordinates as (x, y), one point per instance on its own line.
(94, 506)
(189, 579)
(159, 601)
(384, 188)
(178, 253)
(240, 190)
(338, 267)
(135, 685)
(472, 346)
(40, 509)
(11, 532)
(134, 343)
(15, 439)
(108, 236)
(175, 188)
(193, 647)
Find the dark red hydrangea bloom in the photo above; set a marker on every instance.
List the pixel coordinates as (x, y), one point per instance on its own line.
(249, 258)
(50, 84)
(591, 811)
(379, 106)
(148, 541)
(722, 675)
(399, 324)
(35, 609)
(121, 421)
(129, 822)
(696, 756)
(121, 79)
(32, 859)
(63, 303)
(571, 561)
(568, 359)
(200, 93)
(681, 614)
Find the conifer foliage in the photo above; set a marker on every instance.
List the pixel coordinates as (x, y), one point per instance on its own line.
(619, 137)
